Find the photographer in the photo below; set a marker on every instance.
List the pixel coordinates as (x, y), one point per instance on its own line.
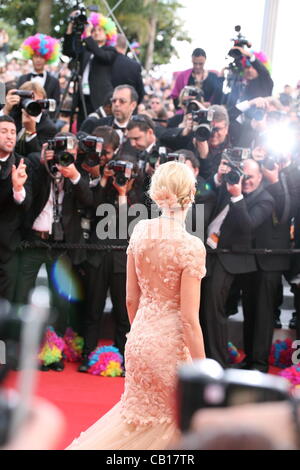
(15, 200)
(34, 126)
(206, 81)
(107, 269)
(42, 50)
(210, 151)
(95, 56)
(240, 210)
(124, 102)
(59, 192)
(257, 81)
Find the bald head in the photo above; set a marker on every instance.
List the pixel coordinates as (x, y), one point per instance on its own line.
(121, 44)
(254, 176)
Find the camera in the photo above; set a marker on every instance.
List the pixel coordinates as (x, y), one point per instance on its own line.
(240, 41)
(21, 332)
(79, 20)
(203, 128)
(152, 157)
(34, 107)
(90, 147)
(60, 145)
(204, 384)
(234, 159)
(195, 93)
(123, 171)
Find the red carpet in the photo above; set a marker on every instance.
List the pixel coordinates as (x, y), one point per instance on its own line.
(83, 398)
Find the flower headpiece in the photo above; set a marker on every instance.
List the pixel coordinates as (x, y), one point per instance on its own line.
(97, 19)
(43, 45)
(167, 200)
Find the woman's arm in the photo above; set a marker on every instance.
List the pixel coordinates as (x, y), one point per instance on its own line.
(189, 306)
(132, 288)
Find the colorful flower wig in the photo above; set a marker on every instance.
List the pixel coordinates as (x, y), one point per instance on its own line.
(97, 19)
(261, 56)
(42, 45)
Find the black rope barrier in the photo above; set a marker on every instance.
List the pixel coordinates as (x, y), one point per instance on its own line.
(98, 247)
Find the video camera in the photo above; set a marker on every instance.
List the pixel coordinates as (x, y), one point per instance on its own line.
(34, 107)
(60, 145)
(203, 128)
(234, 159)
(90, 148)
(240, 41)
(204, 384)
(123, 171)
(79, 20)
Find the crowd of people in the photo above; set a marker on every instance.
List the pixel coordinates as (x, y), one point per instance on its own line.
(77, 174)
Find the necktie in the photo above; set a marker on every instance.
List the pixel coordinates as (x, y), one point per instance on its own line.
(37, 75)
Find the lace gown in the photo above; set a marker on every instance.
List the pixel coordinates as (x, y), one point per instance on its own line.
(161, 250)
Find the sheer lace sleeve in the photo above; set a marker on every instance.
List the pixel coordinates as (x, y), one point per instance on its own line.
(135, 236)
(193, 255)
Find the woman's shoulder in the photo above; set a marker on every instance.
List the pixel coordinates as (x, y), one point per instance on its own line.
(195, 243)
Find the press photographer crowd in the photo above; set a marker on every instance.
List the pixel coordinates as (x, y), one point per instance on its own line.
(79, 143)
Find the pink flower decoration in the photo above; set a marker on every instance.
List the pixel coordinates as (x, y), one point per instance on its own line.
(166, 200)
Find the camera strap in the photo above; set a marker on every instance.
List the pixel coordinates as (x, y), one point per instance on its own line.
(57, 202)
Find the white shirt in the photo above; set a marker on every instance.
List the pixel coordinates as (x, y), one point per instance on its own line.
(44, 221)
(40, 80)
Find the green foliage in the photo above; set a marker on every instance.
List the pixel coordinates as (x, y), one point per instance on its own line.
(20, 20)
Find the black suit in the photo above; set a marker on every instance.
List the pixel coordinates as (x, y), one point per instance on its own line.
(126, 71)
(45, 130)
(51, 86)
(11, 217)
(75, 197)
(100, 82)
(236, 232)
(261, 288)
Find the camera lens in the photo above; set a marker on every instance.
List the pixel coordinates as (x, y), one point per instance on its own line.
(64, 158)
(203, 132)
(233, 177)
(32, 107)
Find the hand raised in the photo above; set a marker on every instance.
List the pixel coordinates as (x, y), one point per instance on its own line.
(19, 175)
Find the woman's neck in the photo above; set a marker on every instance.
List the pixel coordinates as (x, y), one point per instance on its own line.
(178, 215)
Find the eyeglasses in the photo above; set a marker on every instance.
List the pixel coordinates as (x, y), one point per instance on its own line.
(121, 100)
(219, 129)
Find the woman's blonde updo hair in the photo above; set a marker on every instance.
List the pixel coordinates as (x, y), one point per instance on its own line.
(173, 186)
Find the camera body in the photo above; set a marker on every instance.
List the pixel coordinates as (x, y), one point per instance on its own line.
(90, 147)
(189, 95)
(202, 124)
(123, 171)
(60, 145)
(239, 41)
(204, 384)
(34, 107)
(152, 157)
(79, 20)
(234, 159)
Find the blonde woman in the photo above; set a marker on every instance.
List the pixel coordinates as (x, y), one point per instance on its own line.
(164, 270)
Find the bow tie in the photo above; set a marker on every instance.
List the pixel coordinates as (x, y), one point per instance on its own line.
(37, 74)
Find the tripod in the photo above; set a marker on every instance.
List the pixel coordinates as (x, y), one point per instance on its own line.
(75, 77)
(236, 85)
